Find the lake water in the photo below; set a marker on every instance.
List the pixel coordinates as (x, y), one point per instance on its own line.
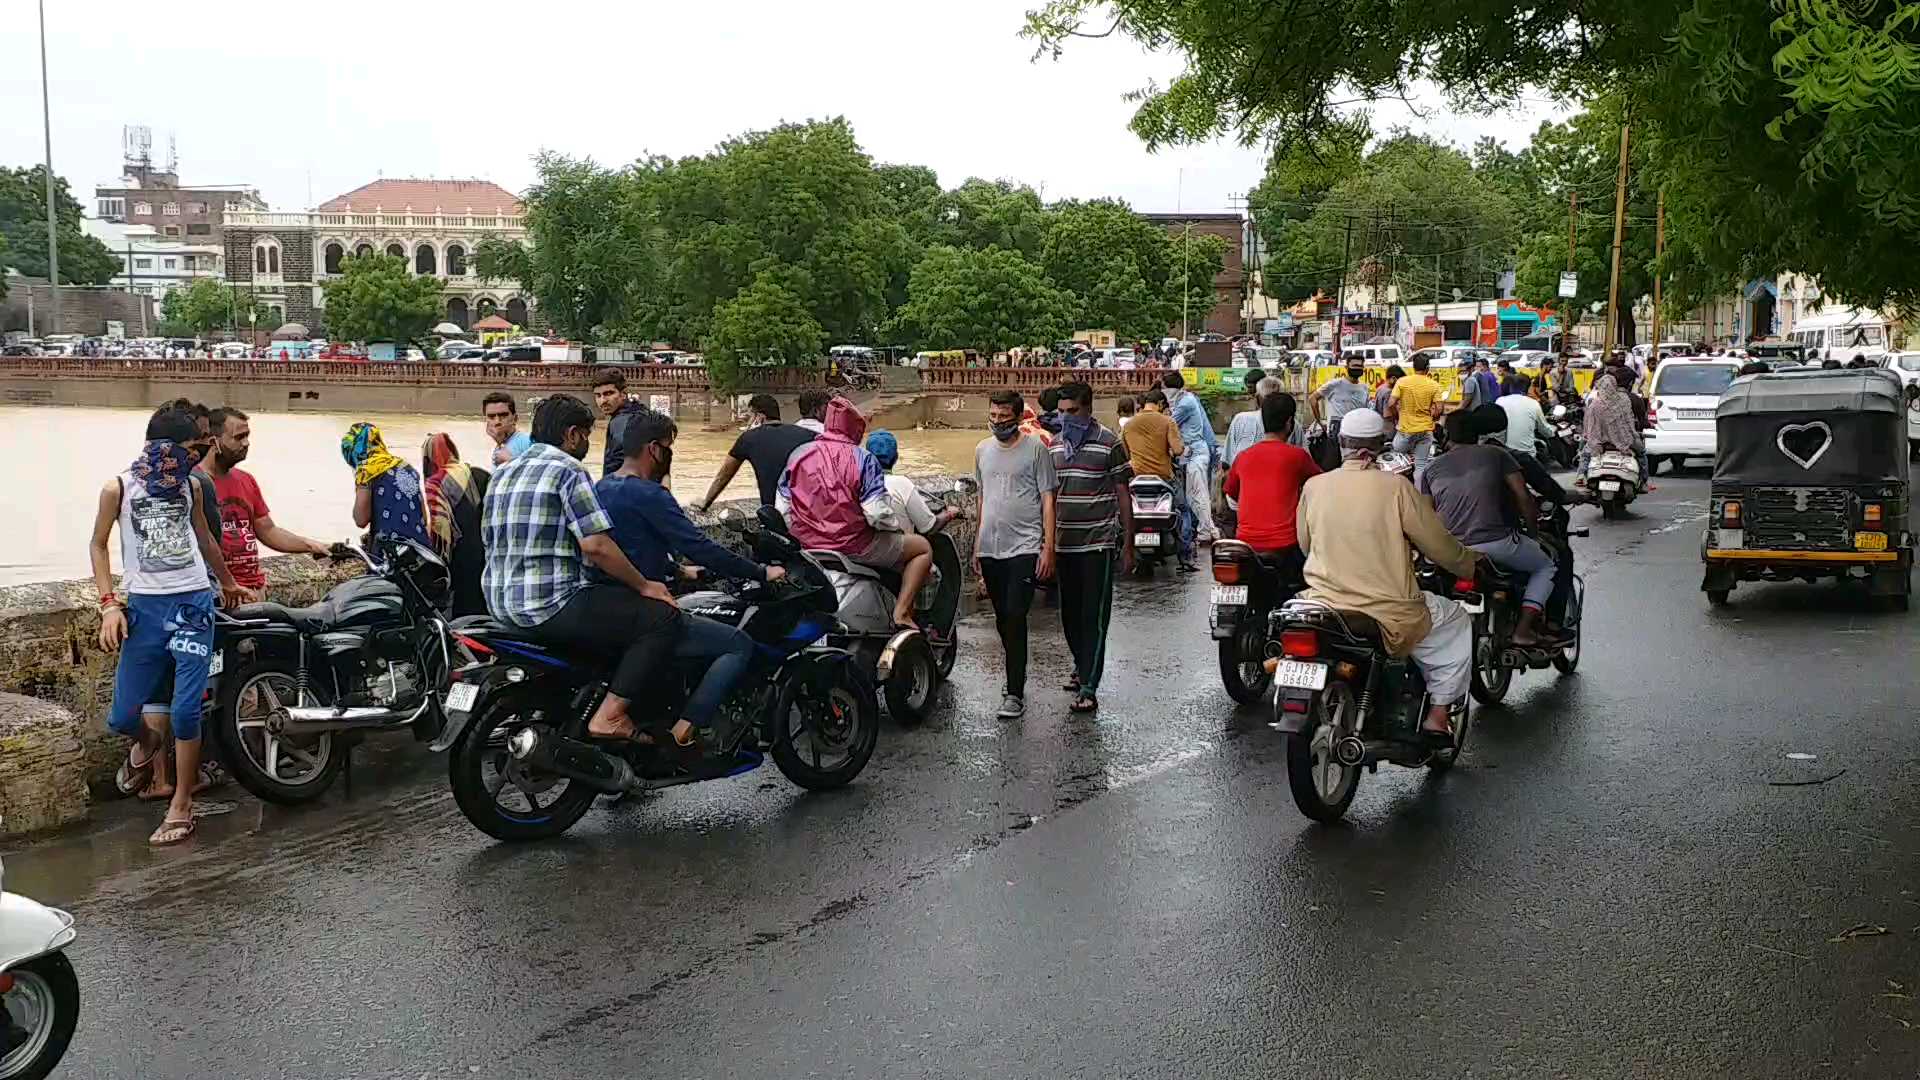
(59, 457)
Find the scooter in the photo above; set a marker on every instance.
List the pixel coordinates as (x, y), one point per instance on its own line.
(1156, 525)
(1248, 588)
(1345, 704)
(907, 665)
(39, 992)
(1613, 480)
(1495, 657)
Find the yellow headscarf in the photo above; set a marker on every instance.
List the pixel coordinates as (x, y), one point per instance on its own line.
(366, 450)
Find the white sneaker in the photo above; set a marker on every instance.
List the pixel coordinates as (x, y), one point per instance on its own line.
(1012, 706)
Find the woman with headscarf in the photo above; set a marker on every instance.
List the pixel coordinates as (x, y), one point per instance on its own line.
(455, 491)
(1609, 422)
(387, 495)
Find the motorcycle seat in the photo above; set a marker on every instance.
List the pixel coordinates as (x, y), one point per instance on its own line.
(311, 618)
(1362, 625)
(838, 562)
(488, 626)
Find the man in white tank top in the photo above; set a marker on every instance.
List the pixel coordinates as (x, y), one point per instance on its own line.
(164, 620)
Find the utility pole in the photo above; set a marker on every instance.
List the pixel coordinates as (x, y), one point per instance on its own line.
(1659, 248)
(1340, 302)
(46, 126)
(1573, 236)
(1619, 227)
(1436, 294)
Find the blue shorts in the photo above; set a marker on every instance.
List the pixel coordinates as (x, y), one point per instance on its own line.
(168, 637)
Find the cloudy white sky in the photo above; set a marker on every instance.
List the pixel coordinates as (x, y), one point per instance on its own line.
(307, 101)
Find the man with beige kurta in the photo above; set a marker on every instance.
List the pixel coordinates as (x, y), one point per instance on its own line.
(1359, 526)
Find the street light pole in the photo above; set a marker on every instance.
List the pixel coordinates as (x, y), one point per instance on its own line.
(46, 126)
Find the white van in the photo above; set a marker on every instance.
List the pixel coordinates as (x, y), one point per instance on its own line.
(1453, 356)
(1377, 355)
(1842, 334)
(1684, 395)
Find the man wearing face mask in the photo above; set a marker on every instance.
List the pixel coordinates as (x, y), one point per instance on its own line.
(544, 526)
(1014, 546)
(1335, 399)
(652, 529)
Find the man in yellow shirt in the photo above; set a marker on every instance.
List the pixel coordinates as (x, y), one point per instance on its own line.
(1413, 406)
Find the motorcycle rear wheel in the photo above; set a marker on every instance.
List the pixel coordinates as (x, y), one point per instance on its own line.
(839, 715)
(46, 995)
(1490, 678)
(1247, 681)
(1322, 787)
(914, 681)
(254, 754)
(483, 750)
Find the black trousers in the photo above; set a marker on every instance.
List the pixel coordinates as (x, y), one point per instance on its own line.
(1086, 606)
(1010, 586)
(613, 621)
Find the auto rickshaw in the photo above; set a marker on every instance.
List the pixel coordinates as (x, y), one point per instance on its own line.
(1810, 481)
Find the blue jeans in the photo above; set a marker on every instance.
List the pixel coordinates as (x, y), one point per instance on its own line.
(1522, 554)
(166, 636)
(1419, 445)
(730, 651)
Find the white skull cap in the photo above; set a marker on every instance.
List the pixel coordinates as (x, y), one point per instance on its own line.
(1362, 424)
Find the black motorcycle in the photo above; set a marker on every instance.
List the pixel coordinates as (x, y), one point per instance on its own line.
(294, 688)
(1248, 588)
(1568, 419)
(524, 768)
(1495, 657)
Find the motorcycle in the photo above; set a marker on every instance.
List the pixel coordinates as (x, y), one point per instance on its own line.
(1345, 704)
(1613, 479)
(39, 992)
(1495, 657)
(1156, 523)
(1249, 587)
(1564, 448)
(907, 665)
(517, 714)
(308, 683)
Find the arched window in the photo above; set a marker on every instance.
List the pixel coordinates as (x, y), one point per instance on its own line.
(260, 259)
(396, 251)
(457, 312)
(456, 261)
(363, 250)
(334, 253)
(423, 260)
(273, 260)
(517, 311)
(483, 307)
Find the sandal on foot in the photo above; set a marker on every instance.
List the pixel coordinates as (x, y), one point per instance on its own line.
(171, 831)
(1072, 685)
(1441, 739)
(1085, 703)
(133, 776)
(622, 732)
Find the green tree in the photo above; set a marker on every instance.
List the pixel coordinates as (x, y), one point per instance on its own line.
(987, 213)
(23, 228)
(989, 300)
(1120, 266)
(764, 323)
(205, 306)
(376, 298)
(1198, 258)
(1782, 131)
(1299, 178)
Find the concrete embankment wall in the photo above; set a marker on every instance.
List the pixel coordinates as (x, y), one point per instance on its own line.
(136, 392)
(55, 748)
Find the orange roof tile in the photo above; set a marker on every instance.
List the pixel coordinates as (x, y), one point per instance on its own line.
(424, 196)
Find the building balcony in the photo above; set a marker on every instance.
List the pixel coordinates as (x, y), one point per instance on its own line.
(405, 221)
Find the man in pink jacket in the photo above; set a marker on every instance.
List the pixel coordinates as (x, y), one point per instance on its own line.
(834, 495)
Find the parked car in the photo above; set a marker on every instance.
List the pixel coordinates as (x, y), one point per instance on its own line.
(20, 349)
(1683, 394)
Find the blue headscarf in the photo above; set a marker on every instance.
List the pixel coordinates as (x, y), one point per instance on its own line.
(884, 447)
(162, 468)
(1075, 429)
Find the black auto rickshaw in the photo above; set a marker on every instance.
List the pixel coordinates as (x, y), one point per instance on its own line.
(1810, 481)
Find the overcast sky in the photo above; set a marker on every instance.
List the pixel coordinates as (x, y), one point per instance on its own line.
(308, 101)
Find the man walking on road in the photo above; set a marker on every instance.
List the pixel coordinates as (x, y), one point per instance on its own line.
(1196, 431)
(1014, 547)
(767, 443)
(245, 521)
(1094, 516)
(502, 419)
(1413, 405)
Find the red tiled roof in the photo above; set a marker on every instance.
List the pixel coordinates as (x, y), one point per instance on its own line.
(424, 196)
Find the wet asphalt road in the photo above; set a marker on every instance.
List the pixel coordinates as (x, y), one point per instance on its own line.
(1618, 882)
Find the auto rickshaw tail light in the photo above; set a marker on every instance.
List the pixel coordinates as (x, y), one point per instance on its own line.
(1872, 515)
(1730, 514)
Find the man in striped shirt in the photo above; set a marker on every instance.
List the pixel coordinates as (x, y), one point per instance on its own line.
(1093, 517)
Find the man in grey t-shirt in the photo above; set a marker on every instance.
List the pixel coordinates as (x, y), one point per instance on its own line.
(1333, 400)
(1014, 547)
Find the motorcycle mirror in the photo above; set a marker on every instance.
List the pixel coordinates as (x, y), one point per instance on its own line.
(1559, 412)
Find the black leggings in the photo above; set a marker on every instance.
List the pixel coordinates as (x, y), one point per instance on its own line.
(1010, 586)
(614, 621)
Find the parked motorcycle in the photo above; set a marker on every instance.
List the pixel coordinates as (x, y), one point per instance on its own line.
(294, 688)
(1249, 587)
(1156, 524)
(1568, 433)
(907, 665)
(524, 768)
(1613, 479)
(39, 992)
(1345, 704)
(1495, 657)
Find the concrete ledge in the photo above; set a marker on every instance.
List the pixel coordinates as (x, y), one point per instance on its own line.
(42, 766)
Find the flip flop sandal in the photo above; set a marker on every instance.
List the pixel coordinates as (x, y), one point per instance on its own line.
(1085, 703)
(632, 734)
(1072, 685)
(171, 831)
(133, 777)
(1439, 740)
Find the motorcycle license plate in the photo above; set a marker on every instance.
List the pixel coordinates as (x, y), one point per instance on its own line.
(1229, 595)
(1301, 675)
(1146, 540)
(1609, 485)
(1866, 541)
(461, 696)
(218, 664)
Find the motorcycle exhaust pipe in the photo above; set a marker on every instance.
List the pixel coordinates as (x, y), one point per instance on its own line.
(542, 748)
(316, 719)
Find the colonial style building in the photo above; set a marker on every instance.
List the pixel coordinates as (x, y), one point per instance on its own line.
(432, 224)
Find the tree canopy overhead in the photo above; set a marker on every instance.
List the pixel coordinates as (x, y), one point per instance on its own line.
(1782, 130)
(23, 231)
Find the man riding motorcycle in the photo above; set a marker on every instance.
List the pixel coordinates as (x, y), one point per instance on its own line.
(1359, 527)
(1264, 484)
(1479, 492)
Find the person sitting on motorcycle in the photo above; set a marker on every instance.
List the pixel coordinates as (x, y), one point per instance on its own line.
(1264, 483)
(651, 529)
(1153, 445)
(902, 492)
(1609, 424)
(1359, 526)
(834, 494)
(1481, 494)
(1525, 432)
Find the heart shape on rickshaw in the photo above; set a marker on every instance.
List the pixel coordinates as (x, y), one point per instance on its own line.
(1804, 443)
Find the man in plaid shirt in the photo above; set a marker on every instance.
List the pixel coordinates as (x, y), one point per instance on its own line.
(543, 525)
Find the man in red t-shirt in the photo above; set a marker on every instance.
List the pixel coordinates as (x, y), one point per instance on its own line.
(245, 523)
(1265, 484)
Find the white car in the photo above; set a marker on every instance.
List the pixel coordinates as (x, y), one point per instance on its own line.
(1684, 395)
(1907, 366)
